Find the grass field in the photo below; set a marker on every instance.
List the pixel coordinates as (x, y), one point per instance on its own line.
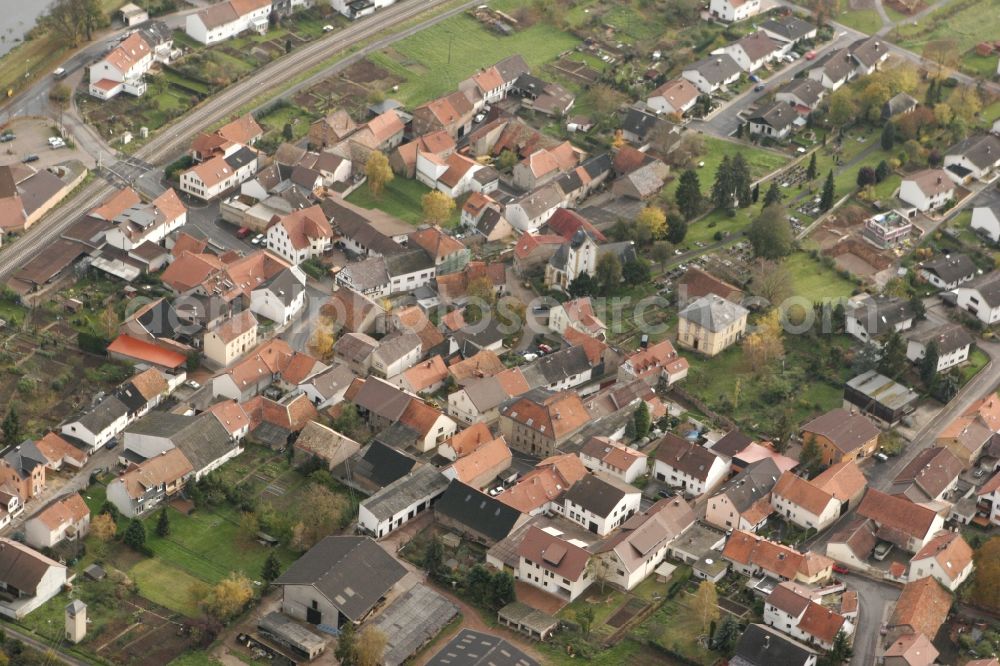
(435, 60)
(977, 65)
(167, 585)
(967, 26)
(812, 280)
(760, 160)
(977, 361)
(866, 20)
(402, 199)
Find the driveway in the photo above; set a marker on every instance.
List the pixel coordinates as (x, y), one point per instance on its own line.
(533, 324)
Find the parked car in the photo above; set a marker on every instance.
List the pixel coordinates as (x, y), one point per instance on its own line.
(759, 87)
(112, 443)
(243, 232)
(480, 117)
(28, 159)
(881, 457)
(192, 384)
(56, 142)
(327, 28)
(841, 569)
(882, 550)
(529, 357)
(59, 73)
(544, 348)
(811, 55)
(7, 137)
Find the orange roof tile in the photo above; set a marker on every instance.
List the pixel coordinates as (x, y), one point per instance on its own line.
(420, 416)
(436, 243)
(150, 383)
(922, 606)
(125, 56)
(426, 373)
(71, 509)
(466, 441)
(306, 225)
(897, 513)
(802, 493)
(555, 416)
(236, 326)
(950, 550)
(55, 448)
(483, 364)
(145, 351)
(844, 480)
(231, 415)
(613, 453)
(244, 130)
(166, 468)
(491, 456)
(117, 204)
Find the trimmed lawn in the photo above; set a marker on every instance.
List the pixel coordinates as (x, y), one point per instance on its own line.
(977, 361)
(704, 230)
(977, 65)
(760, 160)
(402, 199)
(814, 281)
(435, 60)
(967, 26)
(166, 585)
(866, 20)
(298, 118)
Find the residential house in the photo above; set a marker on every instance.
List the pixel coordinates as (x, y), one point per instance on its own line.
(453, 288)
(949, 270)
(216, 176)
(803, 618)
(147, 223)
(600, 503)
(327, 388)
(353, 9)
(273, 363)
(946, 558)
(452, 114)
(803, 94)
(844, 481)
(841, 436)
(877, 396)
(775, 120)
(988, 501)
(484, 215)
(899, 105)
(351, 311)
(553, 564)
(714, 72)
(204, 440)
(302, 235)
(928, 477)
(577, 314)
(142, 487)
(122, 69)
(981, 297)
(401, 501)
(542, 488)
(762, 646)
(752, 555)
(339, 580)
(544, 164)
(888, 230)
(225, 20)
(927, 190)
(632, 554)
(395, 353)
(64, 518)
(27, 578)
(744, 503)
(22, 470)
(753, 51)
(354, 351)
(533, 251)
(528, 212)
(465, 441)
(448, 254)
(481, 467)
(318, 442)
(425, 377)
(868, 53)
(834, 69)
(409, 270)
(57, 452)
(480, 399)
(538, 422)
(899, 521)
(789, 29)
(975, 157)
(641, 176)
(544, 97)
(611, 457)
(853, 543)
(231, 339)
(922, 608)
(732, 11)
(282, 297)
(869, 317)
(710, 324)
(951, 341)
(656, 362)
(966, 437)
(915, 650)
(675, 97)
(986, 220)
(331, 129)
(804, 503)
(685, 465)
(475, 515)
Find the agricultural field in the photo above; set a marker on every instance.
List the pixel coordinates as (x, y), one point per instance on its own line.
(961, 21)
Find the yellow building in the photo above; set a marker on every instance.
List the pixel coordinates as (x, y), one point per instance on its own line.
(711, 324)
(231, 339)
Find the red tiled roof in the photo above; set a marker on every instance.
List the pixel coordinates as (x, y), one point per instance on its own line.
(145, 351)
(922, 606)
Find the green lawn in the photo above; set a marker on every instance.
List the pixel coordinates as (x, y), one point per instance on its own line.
(967, 26)
(866, 20)
(167, 585)
(717, 221)
(977, 361)
(760, 160)
(298, 118)
(195, 659)
(435, 60)
(402, 199)
(812, 280)
(977, 65)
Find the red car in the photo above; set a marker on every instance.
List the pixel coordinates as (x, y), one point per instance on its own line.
(841, 569)
(811, 55)
(545, 349)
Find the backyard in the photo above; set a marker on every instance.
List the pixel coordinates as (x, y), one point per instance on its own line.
(402, 199)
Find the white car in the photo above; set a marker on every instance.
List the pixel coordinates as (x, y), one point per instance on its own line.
(530, 357)
(480, 117)
(327, 28)
(56, 142)
(192, 384)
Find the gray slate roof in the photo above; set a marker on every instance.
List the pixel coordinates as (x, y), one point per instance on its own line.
(751, 484)
(983, 150)
(716, 69)
(988, 287)
(354, 573)
(713, 313)
(425, 482)
(951, 267)
(598, 494)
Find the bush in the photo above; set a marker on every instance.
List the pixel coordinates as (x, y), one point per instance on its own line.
(173, 170)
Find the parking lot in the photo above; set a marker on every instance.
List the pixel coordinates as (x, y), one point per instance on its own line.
(32, 138)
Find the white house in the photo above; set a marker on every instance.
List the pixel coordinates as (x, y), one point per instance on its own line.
(204, 441)
(225, 20)
(401, 501)
(65, 518)
(976, 157)
(981, 297)
(353, 9)
(146, 485)
(148, 222)
(122, 69)
(775, 120)
(395, 353)
(676, 96)
(600, 503)
(712, 73)
(986, 220)
(952, 340)
(551, 563)
(868, 317)
(949, 270)
(633, 554)
(947, 558)
(790, 611)
(27, 578)
(231, 339)
(601, 454)
(95, 428)
(989, 494)
(301, 235)
(733, 10)
(927, 189)
(694, 469)
(527, 213)
(753, 51)
(282, 298)
(803, 503)
(219, 174)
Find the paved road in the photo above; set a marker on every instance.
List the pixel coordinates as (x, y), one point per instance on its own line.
(873, 597)
(57, 655)
(174, 138)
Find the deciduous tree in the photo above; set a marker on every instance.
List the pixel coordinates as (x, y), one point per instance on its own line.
(437, 207)
(585, 618)
(370, 646)
(636, 272)
(770, 233)
(770, 281)
(661, 253)
(811, 457)
(985, 588)
(893, 360)
(608, 272)
(766, 344)
(643, 422)
(228, 597)
(323, 517)
(378, 172)
(704, 605)
(103, 527)
(653, 220)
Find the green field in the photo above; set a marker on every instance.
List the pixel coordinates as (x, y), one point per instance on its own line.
(435, 60)
(402, 199)
(166, 585)
(967, 26)
(812, 280)
(866, 20)
(760, 160)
